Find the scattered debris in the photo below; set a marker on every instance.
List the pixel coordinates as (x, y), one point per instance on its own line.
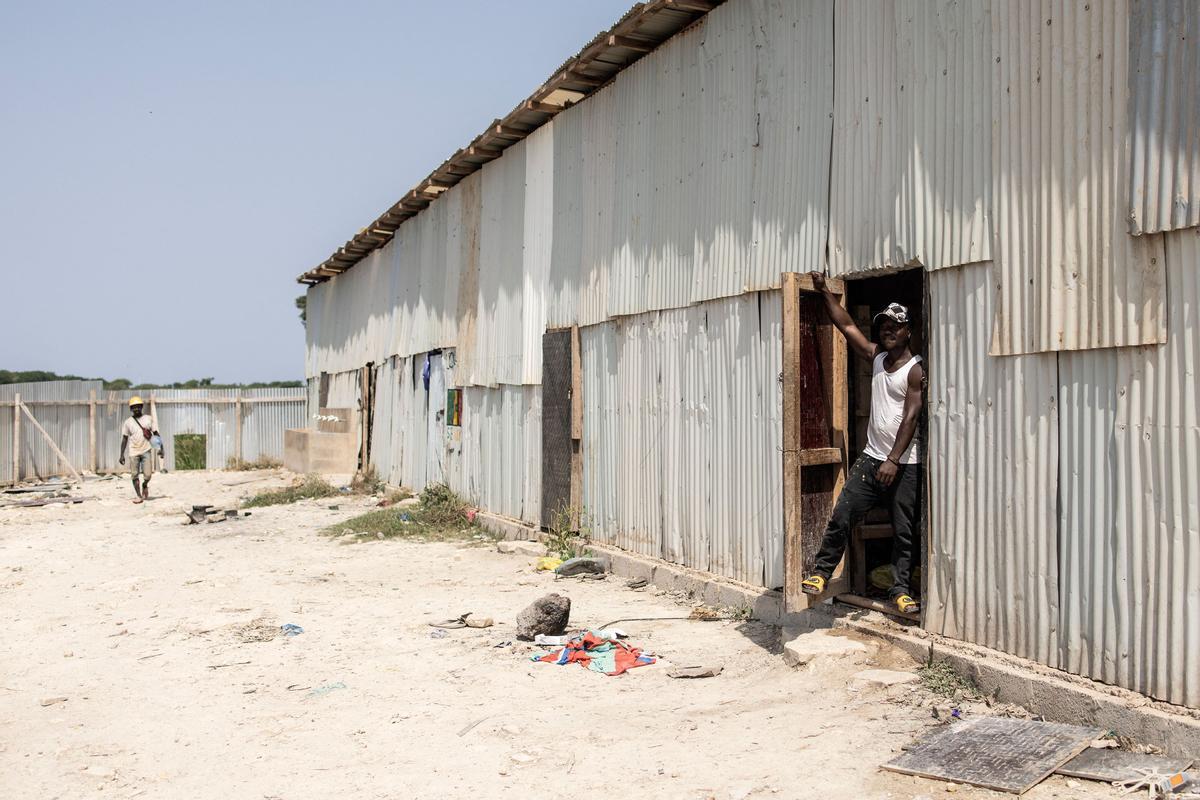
(47, 501)
(696, 672)
(597, 653)
(548, 564)
(290, 629)
(637, 583)
(202, 513)
(1158, 785)
(230, 664)
(884, 677)
(1008, 755)
(581, 565)
(471, 726)
(50, 701)
(1110, 765)
(704, 613)
(53, 486)
(467, 620)
(549, 614)
(437, 633)
(326, 689)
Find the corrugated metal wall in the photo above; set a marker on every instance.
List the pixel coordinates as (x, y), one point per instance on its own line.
(989, 142)
(911, 179)
(1068, 276)
(1130, 527)
(993, 470)
(1164, 126)
(682, 435)
(263, 424)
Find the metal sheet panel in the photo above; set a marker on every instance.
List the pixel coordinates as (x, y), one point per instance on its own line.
(993, 464)
(1069, 276)
(351, 319)
(562, 289)
(598, 192)
(469, 211)
(501, 451)
(1130, 445)
(794, 122)
(1164, 125)
(538, 237)
(682, 430)
(67, 424)
(499, 335)
(911, 179)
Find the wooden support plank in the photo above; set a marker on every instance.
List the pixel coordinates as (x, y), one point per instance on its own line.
(836, 285)
(816, 456)
(794, 598)
(540, 107)
(16, 442)
(698, 6)
(53, 445)
(629, 43)
(92, 430)
(483, 152)
(576, 386)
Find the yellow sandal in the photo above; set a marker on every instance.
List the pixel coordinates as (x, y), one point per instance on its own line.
(814, 584)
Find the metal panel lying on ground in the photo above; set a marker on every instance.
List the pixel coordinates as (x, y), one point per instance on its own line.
(1008, 755)
(911, 179)
(1130, 526)
(1164, 125)
(993, 463)
(1069, 276)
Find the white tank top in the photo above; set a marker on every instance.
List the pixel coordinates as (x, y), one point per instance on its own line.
(887, 411)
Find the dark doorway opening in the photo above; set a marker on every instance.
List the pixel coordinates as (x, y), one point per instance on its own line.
(869, 554)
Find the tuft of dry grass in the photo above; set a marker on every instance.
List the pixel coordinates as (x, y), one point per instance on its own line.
(440, 515)
(307, 488)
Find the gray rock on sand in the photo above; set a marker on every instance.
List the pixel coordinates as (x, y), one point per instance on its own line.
(549, 615)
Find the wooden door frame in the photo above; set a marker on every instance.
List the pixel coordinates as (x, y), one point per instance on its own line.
(796, 459)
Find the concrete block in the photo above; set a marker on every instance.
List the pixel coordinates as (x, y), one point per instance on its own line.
(883, 677)
(519, 548)
(803, 646)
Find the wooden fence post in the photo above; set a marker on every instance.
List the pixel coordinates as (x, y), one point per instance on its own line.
(92, 462)
(16, 448)
(49, 440)
(237, 409)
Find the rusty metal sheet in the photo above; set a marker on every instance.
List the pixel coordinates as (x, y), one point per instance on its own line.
(1008, 755)
(1098, 764)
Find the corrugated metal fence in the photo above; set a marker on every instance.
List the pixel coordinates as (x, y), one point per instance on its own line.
(85, 421)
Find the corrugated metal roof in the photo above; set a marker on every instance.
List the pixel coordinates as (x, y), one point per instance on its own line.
(911, 180)
(640, 30)
(1164, 126)
(1130, 447)
(1069, 276)
(993, 462)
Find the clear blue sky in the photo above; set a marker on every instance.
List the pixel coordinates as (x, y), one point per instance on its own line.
(168, 169)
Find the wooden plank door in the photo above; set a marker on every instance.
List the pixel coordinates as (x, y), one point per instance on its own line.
(815, 405)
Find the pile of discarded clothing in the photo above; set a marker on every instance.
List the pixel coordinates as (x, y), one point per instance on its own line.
(598, 651)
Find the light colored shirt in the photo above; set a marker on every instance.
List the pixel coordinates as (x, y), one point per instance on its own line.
(138, 442)
(888, 390)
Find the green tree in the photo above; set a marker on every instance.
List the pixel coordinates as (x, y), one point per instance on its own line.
(302, 304)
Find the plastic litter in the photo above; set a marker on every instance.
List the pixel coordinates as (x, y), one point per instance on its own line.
(437, 633)
(581, 565)
(326, 689)
(291, 630)
(548, 564)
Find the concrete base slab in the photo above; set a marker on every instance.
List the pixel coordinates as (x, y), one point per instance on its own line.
(1055, 695)
(883, 677)
(802, 646)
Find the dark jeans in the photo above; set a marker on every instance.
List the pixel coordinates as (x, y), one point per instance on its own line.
(861, 493)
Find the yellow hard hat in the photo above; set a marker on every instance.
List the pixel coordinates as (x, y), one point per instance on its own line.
(135, 401)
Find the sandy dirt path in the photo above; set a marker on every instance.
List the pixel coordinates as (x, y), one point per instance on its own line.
(163, 639)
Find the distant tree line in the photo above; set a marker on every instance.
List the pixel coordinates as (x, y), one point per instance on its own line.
(118, 384)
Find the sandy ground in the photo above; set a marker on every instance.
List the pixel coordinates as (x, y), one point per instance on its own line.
(163, 639)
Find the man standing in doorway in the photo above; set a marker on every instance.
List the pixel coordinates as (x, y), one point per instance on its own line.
(140, 435)
(889, 469)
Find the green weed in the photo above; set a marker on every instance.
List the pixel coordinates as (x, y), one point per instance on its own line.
(940, 677)
(310, 487)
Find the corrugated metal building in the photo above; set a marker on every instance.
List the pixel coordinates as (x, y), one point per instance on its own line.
(1037, 161)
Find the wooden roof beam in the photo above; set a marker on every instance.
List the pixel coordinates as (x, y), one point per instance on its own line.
(629, 43)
